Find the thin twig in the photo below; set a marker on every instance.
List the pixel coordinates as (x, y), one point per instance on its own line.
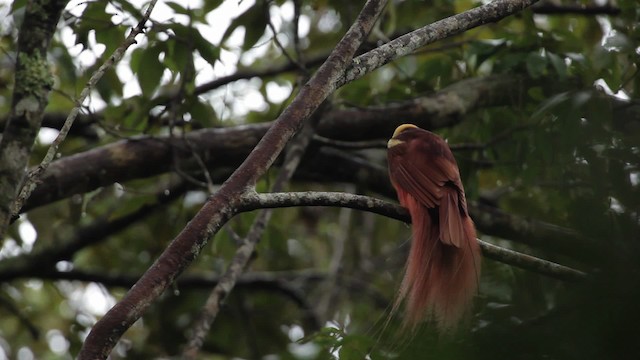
(353, 145)
(331, 287)
(504, 135)
(244, 253)
(281, 47)
(34, 176)
(9, 305)
(296, 29)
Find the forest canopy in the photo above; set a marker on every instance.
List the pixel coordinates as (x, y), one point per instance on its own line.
(228, 158)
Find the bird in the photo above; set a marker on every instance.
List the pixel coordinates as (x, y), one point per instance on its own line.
(443, 268)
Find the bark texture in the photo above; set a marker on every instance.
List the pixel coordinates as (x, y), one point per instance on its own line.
(33, 82)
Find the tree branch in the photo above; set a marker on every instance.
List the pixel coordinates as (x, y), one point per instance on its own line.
(36, 174)
(250, 73)
(221, 206)
(453, 25)
(45, 258)
(277, 281)
(243, 255)
(32, 83)
(531, 263)
(227, 147)
(380, 207)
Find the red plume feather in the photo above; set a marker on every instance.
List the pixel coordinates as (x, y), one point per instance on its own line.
(443, 267)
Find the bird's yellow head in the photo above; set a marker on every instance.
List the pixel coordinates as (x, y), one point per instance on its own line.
(393, 142)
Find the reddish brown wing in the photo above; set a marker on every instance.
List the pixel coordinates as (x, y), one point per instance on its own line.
(424, 167)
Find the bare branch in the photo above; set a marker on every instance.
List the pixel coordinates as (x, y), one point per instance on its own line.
(243, 255)
(365, 203)
(530, 263)
(36, 174)
(227, 147)
(353, 145)
(102, 228)
(282, 48)
(453, 25)
(296, 32)
(222, 205)
(249, 73)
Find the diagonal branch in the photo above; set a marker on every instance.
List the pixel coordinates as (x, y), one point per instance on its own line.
(531, 263)
(221, 206)
(453, 25)
(36, 174)
(244, 253)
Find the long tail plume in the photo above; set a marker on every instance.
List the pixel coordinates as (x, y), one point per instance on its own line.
(441, 278)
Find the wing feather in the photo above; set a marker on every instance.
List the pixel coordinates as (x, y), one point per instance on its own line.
(433, 179)
(451, 226)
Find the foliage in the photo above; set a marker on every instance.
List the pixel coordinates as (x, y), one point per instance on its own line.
(562, 149)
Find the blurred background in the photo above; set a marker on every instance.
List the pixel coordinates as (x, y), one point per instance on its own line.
(541, 110)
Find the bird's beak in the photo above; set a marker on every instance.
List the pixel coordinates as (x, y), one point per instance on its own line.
(393, 142)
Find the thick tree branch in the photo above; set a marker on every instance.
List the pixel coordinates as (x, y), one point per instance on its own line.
(32, 83)
(227, 147)
(221, 206)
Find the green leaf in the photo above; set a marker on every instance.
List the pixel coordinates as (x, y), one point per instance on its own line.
(207, 50)
(94, 18)
(17, 4)
(136, 59)
(178, 8)
(558, 64)
(254, 21)
(480, 51)
(179, 56)
(150, 70)
(111, 37)
(211, 5)
(109, 85)
(202, 113)
(536, 93)
(536, 65)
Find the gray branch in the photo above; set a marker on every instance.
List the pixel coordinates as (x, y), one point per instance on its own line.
(453, 25)
(243, 255)
(365, 203)
(32, 83)
(221, 206)
(36, 174)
